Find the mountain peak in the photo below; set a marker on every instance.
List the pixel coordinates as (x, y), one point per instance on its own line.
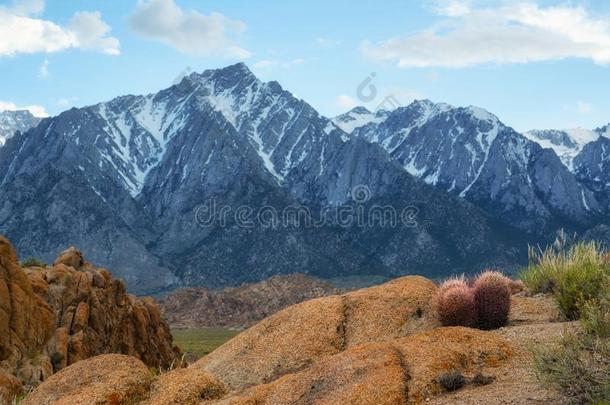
(359, 110)
(15, 121)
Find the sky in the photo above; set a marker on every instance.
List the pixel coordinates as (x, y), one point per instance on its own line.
(535, 64)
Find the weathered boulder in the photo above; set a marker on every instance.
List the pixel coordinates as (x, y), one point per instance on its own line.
(184, 387)
(106, 379)
(296, 337)
(401, 371)
(70, 257)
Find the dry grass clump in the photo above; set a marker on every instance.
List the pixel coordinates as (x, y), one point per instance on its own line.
(452, 380)
(572, 274)
(579, 279)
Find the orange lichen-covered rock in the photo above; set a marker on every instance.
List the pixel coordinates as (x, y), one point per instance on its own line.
(185, 387)
(70, 257)
(401, 371)
(26, 321)
(304, 333)
(106, 379)
(55, 316)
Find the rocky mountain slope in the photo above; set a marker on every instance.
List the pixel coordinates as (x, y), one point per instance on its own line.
(148, 169)
(12, 122)
(381, 345)
(58, 315)
(470, 153)
(242, 306)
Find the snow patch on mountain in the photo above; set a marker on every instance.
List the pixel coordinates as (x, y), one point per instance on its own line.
(567, 144)
(358, 117)
(14, 121)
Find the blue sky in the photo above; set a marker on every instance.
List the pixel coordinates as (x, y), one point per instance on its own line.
(535, 64)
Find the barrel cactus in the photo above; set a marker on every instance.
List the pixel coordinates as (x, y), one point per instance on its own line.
(455, 304)
(492, 294)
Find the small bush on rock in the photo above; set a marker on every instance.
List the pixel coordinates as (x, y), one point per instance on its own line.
(492, 296)
(32, 262)
(452, 381)
(455, 304)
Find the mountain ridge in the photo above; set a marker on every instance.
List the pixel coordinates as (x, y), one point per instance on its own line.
(145, 167)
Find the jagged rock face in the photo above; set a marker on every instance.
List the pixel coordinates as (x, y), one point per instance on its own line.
(241, 306)
(26, 321)
(56, 316)
(592, 167)
(12, 122)
(470, 153)
(143, 166)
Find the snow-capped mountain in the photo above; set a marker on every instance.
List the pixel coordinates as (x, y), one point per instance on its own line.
(585, 153)
(567, 144)
(469, 152)
(15, 121)
(358, 117)
(125, 180)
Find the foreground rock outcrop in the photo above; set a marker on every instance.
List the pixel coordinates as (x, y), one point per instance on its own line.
(240, 307)
(106, 379)
(299, 335)
(380, 345)
(56, 316)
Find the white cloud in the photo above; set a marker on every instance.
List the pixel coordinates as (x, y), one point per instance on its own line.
(92, 32)
(584, 107)
(188, 31)
(513, 32)
(346, 102)
(36, 110)
(22, 33)
(44, 69)
(27, 7)
(271, 63)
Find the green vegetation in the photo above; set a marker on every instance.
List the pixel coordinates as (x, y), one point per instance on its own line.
(573, 275)
(579, 365)
(579, 279)
(202, 341)
(32, 262)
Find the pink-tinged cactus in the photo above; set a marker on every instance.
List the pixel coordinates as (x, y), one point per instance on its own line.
(492, 294)
(455, 304)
